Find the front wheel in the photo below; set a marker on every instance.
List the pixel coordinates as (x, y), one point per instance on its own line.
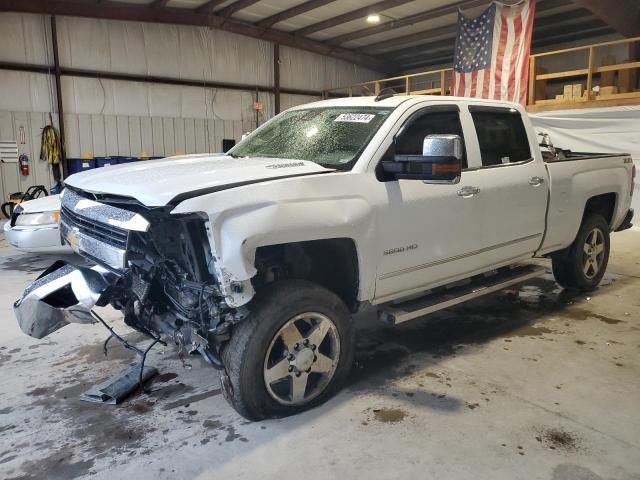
(583, 264)
(293, 352)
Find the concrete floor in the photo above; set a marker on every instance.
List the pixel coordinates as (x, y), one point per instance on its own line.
(531, 383)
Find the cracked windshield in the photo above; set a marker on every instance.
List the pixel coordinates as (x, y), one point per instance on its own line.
(331, 137)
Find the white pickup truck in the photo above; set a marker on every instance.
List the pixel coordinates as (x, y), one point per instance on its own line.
(258, 259)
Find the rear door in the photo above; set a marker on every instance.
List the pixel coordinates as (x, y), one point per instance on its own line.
(511, 186)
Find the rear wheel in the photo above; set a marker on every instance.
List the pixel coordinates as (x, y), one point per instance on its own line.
(583, 264)
(293, 352)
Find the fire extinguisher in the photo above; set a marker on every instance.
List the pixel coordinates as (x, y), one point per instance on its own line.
(23, 161)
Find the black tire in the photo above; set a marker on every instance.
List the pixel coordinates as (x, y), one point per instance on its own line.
(568, 265)
(243, 379)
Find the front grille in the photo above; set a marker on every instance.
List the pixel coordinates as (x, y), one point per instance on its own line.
(108, 234)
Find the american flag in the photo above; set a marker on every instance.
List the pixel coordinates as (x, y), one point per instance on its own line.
(491, 57)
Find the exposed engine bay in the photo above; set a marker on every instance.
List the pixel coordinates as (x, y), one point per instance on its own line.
(168, 288)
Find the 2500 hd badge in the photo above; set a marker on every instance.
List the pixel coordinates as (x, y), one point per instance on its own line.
(391, 251)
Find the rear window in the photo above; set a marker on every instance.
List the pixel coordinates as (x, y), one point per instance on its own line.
(501, 135)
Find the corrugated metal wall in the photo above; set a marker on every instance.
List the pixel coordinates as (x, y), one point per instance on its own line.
(25, 126)
(107, 117)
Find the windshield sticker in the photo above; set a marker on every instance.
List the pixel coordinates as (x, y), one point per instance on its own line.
(355, 117)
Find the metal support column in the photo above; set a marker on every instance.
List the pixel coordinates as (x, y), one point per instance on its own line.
(56, 70)
(276, 77)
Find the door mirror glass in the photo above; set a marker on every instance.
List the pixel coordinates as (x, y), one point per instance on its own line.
(440, 162)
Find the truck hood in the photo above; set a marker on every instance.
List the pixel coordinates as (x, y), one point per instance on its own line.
(158, 182)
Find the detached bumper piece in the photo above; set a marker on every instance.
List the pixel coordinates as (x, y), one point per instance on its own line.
(116, 389)
(62, 294)
(626, 224)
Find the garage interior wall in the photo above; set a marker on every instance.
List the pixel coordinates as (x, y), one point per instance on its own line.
(113, 117)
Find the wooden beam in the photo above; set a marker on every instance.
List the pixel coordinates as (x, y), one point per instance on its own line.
(181, 16)
(158, 4)
(292, 12)
(235, 7)
(208, 6)
(406, 21)
(621, 15)
(360, 13)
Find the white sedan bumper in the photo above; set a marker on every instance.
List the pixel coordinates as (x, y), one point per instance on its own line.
(40, 239)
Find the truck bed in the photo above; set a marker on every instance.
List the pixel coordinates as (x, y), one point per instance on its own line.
(573, 183)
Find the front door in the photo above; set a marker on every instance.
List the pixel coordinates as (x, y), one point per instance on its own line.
(425, 230)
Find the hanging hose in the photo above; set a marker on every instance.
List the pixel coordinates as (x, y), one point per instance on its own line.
(50, 150)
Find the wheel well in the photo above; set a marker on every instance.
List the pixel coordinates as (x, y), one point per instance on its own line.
(602, 205)
(332, 263)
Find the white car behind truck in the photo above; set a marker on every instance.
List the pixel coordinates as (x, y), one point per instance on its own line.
(258, 259)
(33, 227)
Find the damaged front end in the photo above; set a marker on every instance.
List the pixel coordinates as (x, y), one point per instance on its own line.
(156, 268)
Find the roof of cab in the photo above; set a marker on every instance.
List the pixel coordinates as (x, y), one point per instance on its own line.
(392, 102)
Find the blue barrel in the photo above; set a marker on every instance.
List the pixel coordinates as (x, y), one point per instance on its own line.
(106, 161)
(80, 164)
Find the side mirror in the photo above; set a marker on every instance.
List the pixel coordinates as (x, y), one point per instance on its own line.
(440, 162)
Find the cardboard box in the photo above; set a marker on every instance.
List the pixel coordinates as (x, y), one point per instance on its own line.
(568, 92)
(577, 91)
(560, 97)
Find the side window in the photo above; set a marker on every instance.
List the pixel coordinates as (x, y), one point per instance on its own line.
(501, 135)
(411, 137)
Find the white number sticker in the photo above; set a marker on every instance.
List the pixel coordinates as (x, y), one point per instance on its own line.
(355, 117)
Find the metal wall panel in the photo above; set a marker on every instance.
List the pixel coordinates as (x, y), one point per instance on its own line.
(11, 126)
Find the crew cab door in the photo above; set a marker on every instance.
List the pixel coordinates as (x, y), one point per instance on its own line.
(425, 230)
(511, 185)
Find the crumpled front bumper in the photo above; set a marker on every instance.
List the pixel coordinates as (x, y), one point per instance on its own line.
(62, 294)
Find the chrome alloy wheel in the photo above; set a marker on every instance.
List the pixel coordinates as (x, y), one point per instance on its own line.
(302, 358)
(593, 253)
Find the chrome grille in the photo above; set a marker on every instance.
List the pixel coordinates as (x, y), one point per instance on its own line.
(97, 230)
(108, 234)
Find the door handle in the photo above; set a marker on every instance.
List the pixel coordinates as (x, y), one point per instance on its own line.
(536, 181)
(467, 192)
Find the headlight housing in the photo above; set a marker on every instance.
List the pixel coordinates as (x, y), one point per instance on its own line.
(35, 219)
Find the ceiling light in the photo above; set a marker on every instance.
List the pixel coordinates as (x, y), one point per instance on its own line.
(373, 18)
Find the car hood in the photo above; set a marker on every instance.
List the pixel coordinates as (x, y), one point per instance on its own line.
(42, 204)
(160, 182)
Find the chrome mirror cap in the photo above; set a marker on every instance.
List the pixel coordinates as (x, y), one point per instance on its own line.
(443, 146)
